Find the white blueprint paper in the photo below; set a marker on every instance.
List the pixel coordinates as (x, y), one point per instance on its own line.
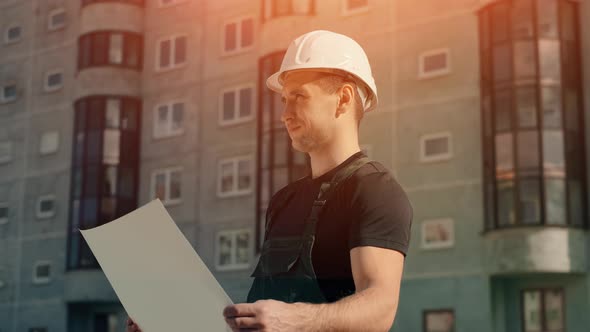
(159, 278)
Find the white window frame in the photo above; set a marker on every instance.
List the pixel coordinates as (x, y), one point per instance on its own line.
(161, 4)
(239, 49)
(171, 65)
(48, 214)
(167, 201)
(50, 25)
(7, 40)
(41, 280)
(348, 12)
(436, 73)
(450, 224)
(4, 205)
(3, 98)
(237, 119)
(5, 159)
(439, 157)
(233, 233)
(168, 131)
(235, 192)
(51, 147)
(46, 86)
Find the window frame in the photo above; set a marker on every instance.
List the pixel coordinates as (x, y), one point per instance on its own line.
(89, 40)
(156, 134)
(239, 49)
(272, 15)
(3, 99)
(47, 214)
(47, 74)
(450, 243)
(422, 74)
(439, 157)
(7, 40)
(5, 205)
(346, 11)
(41, 280)
(234, 266)
(236, 119)
(426, 312)
(168, 174)
(51, 14)
(542, 300)
(172, 38)
(235, 192)
(49, 135)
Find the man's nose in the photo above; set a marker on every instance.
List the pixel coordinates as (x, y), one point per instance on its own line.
(287, 113)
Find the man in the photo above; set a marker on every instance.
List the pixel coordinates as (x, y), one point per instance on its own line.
(336, 240)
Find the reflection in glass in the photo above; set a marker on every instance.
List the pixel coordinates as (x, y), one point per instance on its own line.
(227, 177)
(549, 63)
(503, 105)
(504, 157)
(175, 181)
(244, 177)
(506, 213)
(532, 311)
(530, 201)
(522, 19)
(555, 201)
(524, 59)
(554, 310)
(526, 101)
(551, 103)
(528, 151)
(547, 18)
(553, 153)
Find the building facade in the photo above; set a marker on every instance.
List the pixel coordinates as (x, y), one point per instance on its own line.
(108, 104)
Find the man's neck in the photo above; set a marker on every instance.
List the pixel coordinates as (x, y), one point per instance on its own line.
(324, 160)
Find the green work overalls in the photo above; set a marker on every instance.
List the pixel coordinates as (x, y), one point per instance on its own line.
(285, 269)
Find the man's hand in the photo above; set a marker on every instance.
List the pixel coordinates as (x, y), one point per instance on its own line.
(131, 326)
(269, 316)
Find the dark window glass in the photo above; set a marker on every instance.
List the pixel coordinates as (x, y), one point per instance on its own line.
(555, 201)
(100, 47)
(180, 50)
(553, 153)
(500, 22)
(247, 32)
(524, 60)
(526, 100)
(547, 18)
(228, 106)
(506, 211)
(230, 37)
(502, 63)
(503, 107)
(522, 19)
(245, 102)
(435, 62)
(530, 201)
(551, 101)
(165, 53)
(528, 151)
(13, 33)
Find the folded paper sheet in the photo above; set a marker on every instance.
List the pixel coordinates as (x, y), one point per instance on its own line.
(157, 275)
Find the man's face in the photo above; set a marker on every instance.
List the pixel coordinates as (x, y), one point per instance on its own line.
(309, 111)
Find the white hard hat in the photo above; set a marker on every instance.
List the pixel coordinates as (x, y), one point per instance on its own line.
(329, 51)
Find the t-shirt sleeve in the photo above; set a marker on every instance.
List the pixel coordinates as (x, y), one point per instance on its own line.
(382, 214)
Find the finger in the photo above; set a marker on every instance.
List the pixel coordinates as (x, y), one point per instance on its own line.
(243, 322)
(239, 310)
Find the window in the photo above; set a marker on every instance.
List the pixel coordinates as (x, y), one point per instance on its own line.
(8, 93)
(168, 3)
(233, 249)
(236, 105)
(53, 80)
(57, 19)
(46, 206)
(436, 147)
(533, 156)
(105, 322)
(234, 176)
(278, 8)
(354, 6)
(131, 2)
(42, 272)
(438, 234)
(166, 185)
(543, 310)
(168, 119)
(5, 152)
(110, 48)
(434, 63)
(12, 34)
(49, 142)
(171, 52)
(3, 213)
(238, 35)
(105, 168)
(439, 320)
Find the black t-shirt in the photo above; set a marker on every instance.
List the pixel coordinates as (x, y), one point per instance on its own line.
(368, 209)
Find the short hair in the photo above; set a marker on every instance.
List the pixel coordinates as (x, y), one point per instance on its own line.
(331, 83)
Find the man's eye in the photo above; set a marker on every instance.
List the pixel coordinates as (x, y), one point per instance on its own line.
(299, 96)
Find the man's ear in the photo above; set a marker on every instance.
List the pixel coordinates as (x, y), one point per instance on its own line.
(345, 99)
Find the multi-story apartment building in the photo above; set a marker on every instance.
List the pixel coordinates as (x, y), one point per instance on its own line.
(108, 104)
